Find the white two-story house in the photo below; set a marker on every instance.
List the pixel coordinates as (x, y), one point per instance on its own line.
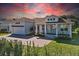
(53, 26)
(49, 26)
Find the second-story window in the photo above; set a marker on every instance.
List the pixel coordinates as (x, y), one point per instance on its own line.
(48, 19)
(53, 18)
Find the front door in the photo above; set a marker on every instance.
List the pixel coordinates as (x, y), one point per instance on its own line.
(40, 29)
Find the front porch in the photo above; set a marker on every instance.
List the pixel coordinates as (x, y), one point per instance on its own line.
(52, 30)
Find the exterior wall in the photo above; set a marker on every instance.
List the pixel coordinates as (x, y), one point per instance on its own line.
(40, 27)
(28, 27)
(58, 31)
(15, 23)
(51, 19)
(50, 36)
(51, 28)
(8, 25)
(4, 25)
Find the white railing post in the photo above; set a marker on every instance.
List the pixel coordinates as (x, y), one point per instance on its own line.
(36, 29)
(70, 31)
(45, 29)
(56, 30)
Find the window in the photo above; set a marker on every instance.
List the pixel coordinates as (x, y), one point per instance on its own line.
(53, 18)
(62, 26)
(51, 29)
(63, 29)
(17, 26)
(48, 19)
(66, 29)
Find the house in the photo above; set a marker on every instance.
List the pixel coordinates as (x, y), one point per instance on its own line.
(4, 25)
(20, 26)
(49, 26)
(53, 26)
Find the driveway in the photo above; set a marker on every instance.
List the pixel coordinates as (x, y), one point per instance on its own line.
(38, 41)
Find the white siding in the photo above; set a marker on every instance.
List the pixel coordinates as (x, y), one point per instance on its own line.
(4, 25)
(52, 19)
(28, 26)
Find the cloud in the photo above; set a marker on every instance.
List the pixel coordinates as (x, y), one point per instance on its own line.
(35, 9)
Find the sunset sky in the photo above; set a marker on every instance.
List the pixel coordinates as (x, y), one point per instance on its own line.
(32, 10)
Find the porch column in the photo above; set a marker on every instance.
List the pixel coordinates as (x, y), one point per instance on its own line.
(36, 29)
(70, 29)
(45, 29)
(40, 27)
(56, 30)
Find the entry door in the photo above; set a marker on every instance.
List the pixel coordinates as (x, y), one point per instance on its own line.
(40, 29)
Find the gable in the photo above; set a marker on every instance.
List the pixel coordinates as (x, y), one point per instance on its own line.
(52, 19)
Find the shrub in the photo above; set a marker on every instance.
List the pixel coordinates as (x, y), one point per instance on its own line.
(40, 35)
(3, 30)
(77, 30)
(63, 39)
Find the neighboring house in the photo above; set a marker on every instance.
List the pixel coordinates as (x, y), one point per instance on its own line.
(50, 26)
(17, 26)
(4, 25)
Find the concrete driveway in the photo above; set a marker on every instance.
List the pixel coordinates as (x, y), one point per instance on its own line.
(38, 41)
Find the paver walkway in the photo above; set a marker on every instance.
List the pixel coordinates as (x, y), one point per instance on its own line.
(40, 42)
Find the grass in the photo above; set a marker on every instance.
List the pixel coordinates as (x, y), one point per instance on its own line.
(60, 47)
(54, 48)
(3, 33)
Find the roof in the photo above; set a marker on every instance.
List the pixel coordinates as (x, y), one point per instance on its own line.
(51, 16)
(61, 20)
(38, 20)
(21, 19)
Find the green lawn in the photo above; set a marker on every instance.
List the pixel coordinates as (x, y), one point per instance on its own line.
(61, 49)
(64, 47)
(3, 33)
(54, 48)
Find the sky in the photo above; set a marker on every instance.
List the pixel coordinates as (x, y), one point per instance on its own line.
(34, 10)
